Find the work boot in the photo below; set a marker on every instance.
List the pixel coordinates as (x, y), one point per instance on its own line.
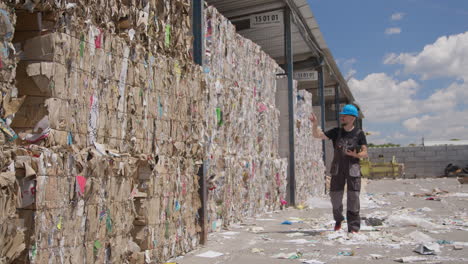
(337, 226)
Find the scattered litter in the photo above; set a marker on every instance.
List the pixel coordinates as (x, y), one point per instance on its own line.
(312, 261)
(230, 233)
(256, 229)
(266, 238)
(435, 192)
(293, 255)
(458, 195)
(297, 234)
(397, 193)
(405, 220)
(336, 235)
(358, 237)
(367, 228)
(265, 219)
(319, 203)
(296, 220)
(298, 241)
(421, 237)
(433, 199)
(444, 242)
(210, 254)
(287, 223)
(346, 253)
(372, 221)
(375, 256)
(427, 249)
(457, 247)
(425, 209)
(411, 259)
(257, 250)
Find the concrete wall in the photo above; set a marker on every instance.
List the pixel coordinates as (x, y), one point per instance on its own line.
(423, 161)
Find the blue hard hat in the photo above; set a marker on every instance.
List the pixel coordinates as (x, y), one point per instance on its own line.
(350, 110)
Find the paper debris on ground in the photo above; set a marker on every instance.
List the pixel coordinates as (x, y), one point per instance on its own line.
(210, 254)
(257, 250)
(312, 261)
(411, 259)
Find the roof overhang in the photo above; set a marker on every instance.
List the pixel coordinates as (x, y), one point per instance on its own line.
(308, 42)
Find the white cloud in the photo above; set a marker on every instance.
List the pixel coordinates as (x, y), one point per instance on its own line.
(444, 125)
(385, 99)
(439, 116)
(348, 67)
(399, 135)
(351, 72)
(447, 57)
(397, 16)
(393, 30)
(349, 62)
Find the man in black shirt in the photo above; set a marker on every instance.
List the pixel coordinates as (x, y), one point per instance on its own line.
(350, 145)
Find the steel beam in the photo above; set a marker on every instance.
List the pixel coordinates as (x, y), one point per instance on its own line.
(197, 17)
(288, 53)
(198, 50)
(322, 105)
(337, 104)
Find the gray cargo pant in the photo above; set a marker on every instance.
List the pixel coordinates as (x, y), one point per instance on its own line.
(337, 184)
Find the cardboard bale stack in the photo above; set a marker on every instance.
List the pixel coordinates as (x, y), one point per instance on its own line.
(310, 169)
(9, 99)
(11, 235)
(246, 174)
(114, 113)
(114, 120)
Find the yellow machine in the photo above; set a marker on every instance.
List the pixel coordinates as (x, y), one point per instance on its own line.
(379, 170)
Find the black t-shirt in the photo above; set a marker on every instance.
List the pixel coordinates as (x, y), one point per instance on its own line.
(343, 140)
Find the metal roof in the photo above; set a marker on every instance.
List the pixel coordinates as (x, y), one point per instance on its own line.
(308, 41)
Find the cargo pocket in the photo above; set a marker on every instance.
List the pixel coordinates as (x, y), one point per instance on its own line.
(334, 168)
(354, 184)
(355, 170)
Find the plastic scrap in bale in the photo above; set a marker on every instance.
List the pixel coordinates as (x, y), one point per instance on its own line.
(40, 131)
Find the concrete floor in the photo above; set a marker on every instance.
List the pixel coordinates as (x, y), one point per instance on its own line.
(314, 239)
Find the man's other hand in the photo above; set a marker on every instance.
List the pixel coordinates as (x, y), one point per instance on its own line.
(313, 119)
(352, 153)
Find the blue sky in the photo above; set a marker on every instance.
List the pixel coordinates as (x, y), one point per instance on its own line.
(407, 61)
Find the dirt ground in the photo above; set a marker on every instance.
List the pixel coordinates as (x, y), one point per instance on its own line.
(409, 219)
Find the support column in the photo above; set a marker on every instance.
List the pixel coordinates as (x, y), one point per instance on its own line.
(322, 103)
(197, 23)
(288, 54)
(337, 104)
(198, 50)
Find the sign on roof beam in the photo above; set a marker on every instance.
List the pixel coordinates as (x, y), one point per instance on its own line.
(306, 76)
(269, 19)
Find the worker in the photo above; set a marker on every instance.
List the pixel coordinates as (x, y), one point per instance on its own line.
(350, 145)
